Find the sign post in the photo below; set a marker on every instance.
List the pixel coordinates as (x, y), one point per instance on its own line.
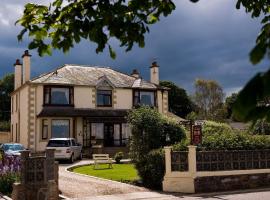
(196, 134)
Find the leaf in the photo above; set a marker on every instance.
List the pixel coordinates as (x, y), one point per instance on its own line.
(112, 52)
(250, 103)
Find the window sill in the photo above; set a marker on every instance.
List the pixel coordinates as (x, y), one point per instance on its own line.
(58, 105)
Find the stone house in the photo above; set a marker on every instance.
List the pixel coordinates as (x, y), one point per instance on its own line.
(88, 103)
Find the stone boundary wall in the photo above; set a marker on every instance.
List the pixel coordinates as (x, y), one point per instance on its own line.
(196, 179)
(4, 137)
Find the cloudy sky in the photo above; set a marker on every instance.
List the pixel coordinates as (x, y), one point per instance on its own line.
(209, 40)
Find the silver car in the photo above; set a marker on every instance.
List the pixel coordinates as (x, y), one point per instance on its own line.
(12, 149)
(65, 149)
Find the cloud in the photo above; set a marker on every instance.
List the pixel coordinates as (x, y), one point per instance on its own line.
(209, 39)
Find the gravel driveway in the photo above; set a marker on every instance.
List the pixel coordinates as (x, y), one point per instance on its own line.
(75, 185)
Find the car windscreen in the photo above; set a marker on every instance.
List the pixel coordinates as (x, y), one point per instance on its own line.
(13, 147)
(58, 143)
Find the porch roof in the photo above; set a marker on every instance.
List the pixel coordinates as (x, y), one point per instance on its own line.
(82, 112)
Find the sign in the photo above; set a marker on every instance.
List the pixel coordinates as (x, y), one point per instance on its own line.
(196, 137)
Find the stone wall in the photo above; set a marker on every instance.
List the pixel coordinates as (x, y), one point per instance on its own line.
(233, 182)
(4, 137)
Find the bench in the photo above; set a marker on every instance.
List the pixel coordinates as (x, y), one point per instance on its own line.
(102, 158)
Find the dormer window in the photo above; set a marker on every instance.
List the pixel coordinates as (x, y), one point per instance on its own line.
(104, 98)
(144, 98)
(58, 95)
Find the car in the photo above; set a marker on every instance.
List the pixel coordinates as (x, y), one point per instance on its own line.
(65, 149)
(12, 149)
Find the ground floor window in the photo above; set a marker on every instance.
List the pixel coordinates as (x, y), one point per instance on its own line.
(60, 128)
(45, 129)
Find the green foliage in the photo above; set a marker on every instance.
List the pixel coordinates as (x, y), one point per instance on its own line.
(6, 182)
(229, 102)
(258, 9)
(151, 168)
(151, 130)
(261, 127)
(211, 127)
(220, 136)
(192, 116)
(118, 157)
(4, 126)
(253, 100)
(179, 102)
(64, 23)
(6, 87)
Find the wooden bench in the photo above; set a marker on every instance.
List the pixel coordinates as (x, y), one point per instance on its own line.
(102, 158)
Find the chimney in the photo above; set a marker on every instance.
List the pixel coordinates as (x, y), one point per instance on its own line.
(18, 74)
(154, 73)
(26, 66)
(135, 73)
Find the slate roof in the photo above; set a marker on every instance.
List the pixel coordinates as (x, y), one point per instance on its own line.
(90, 76)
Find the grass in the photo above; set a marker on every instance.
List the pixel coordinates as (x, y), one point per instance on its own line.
(119, 172)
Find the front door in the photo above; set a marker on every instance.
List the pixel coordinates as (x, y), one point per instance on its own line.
(86, 134)
(108, 135)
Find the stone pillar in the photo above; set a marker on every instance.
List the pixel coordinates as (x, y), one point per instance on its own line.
(52, 192)
(192, 165)
(18, 192)
(24, 158)
(168, 159)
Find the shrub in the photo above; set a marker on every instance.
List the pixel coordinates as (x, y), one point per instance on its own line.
(118, 157)
(210, 128)
(151, 168)
(218, 136)
(151, 130)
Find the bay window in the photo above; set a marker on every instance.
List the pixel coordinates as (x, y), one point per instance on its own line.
(60, 128)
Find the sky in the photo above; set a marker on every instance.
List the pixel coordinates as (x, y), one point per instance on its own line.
(208, 40)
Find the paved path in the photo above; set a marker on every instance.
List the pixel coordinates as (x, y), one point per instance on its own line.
(78, 186)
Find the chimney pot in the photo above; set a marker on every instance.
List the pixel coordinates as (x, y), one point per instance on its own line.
(26, 53)
(135, 73)
(18, 62)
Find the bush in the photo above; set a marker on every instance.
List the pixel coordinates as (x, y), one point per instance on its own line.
(6, 182)
(151, 130)
(151, 169)
(118, 157)
(218, 136)
(210, 128)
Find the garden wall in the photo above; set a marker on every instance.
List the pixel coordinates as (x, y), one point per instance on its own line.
(207, 171)
(4, 137)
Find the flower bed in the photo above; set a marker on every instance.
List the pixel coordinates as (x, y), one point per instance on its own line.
(9, 172)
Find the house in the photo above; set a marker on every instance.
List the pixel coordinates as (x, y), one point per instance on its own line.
(88, 103)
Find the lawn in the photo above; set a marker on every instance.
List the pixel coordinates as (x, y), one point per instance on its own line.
(119, 172)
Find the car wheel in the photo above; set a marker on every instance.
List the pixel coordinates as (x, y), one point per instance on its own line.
(71, 160)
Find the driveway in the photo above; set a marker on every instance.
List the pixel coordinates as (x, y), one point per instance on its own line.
(78, 186)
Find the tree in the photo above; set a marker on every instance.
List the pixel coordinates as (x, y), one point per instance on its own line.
(6, 87)
(179, 102)
(229, 102)
(209, 98)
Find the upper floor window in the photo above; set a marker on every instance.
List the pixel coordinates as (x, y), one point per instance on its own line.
(104, 98)
(56, 95)
(146, 98)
